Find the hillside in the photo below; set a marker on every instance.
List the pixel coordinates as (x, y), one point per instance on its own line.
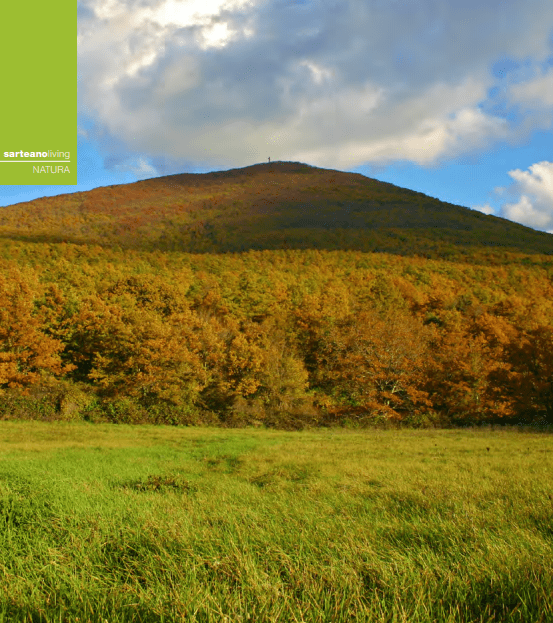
(267, 206)
(253, 297)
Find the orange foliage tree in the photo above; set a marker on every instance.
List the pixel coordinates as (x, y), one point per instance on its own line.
(135, 352)
(26, 351)
(528, 382)
(364, 365)
(379, 365)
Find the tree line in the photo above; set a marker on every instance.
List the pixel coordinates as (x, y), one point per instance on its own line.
(282, 338)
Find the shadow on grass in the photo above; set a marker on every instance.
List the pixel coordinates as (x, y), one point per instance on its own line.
(128, 614)
(160, 483)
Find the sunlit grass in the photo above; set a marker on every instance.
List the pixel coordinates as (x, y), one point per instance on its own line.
(143, 523)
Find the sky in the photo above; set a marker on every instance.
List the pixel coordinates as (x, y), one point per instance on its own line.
(452, 98)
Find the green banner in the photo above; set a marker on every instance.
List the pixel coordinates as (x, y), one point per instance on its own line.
(38, 97)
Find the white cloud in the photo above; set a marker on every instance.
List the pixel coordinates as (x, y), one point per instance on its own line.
(537, 91)
(525, 212)
(486, 209)
(534, 188)
(337, 84)
(534, 98)
(538, 180)
(139, 167)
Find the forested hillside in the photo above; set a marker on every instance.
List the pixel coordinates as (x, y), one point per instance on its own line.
(267, 206)
(255, 296)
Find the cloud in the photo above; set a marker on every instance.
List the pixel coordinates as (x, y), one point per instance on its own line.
(334, 83)
(534, 189)
(486, 209)
(138, 166)
(537, 91)
(533, 98)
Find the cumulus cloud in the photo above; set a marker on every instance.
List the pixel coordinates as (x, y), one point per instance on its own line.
(533, 190)
(138, 166)
(486, 209)
(537, 91)
(532, 96)
(334, 83)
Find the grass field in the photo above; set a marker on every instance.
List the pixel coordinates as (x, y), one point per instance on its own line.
(141, 523)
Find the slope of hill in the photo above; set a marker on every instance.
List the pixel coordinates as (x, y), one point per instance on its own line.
(306, 327)
(267, 206)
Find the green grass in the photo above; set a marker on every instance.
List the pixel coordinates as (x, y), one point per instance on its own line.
(120, 523)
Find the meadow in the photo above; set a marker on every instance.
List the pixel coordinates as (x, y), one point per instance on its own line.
(116, 523)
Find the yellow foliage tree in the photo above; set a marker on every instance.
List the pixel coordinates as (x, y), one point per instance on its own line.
(26, 352)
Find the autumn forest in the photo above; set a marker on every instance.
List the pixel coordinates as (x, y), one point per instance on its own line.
(281, 295)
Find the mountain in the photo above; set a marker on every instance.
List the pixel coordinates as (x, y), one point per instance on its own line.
(267, 206)
(133, 303)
